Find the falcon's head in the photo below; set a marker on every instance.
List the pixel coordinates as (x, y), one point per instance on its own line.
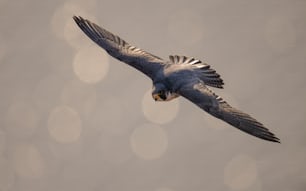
(161, 93)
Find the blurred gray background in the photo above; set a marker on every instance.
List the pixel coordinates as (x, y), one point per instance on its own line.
(72, 118)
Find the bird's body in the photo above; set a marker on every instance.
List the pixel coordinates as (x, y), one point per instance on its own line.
(179, 76)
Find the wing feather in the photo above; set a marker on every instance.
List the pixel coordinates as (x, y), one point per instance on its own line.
(203, 97)
(120, 49)
(209, 76)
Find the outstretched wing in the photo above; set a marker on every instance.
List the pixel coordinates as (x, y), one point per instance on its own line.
(208, 75)
(120, 49)
(200, 95)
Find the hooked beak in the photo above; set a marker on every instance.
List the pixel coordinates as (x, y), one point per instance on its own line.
(156, 97)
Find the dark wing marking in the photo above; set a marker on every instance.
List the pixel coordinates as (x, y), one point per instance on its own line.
(208, 75)
(200, 95)
(120, 49)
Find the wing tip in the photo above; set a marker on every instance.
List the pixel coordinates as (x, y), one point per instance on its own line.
(77, 18)
(272, 139)
(266, 134)
(275, 139)
(263, 133)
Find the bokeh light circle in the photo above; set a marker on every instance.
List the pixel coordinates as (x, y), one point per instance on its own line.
(159, 112)
(64, 27)
(91, 64)
(240, 173)
(28, 162)
(149, 141)
(64, 124)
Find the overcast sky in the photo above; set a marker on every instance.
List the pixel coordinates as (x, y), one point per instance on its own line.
(72, 118)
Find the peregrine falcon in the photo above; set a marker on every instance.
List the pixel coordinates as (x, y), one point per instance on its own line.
(178, 76)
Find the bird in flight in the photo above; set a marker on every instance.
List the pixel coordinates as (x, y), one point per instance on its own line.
(178, 76)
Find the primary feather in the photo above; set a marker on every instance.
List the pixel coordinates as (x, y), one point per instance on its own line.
(203, 97)
(120, 49)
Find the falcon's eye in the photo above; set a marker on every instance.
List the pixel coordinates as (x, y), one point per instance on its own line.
(162, 95)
